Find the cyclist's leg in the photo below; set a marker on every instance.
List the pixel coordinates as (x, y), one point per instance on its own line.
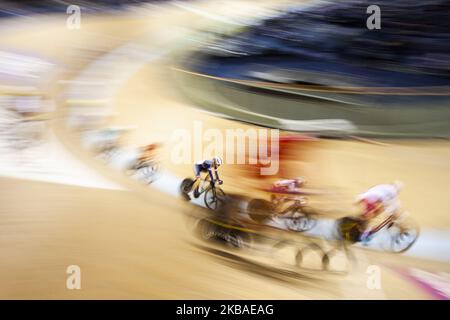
(366, 227)
(204, 182)
(199, 184)
(197, 171)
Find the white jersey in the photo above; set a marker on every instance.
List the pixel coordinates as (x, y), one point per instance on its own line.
(386, 193)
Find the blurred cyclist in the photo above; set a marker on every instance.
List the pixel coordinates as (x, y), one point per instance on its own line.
(382, 198)
(148, 154)
(288, 185)
(207, 166)
(283, 187)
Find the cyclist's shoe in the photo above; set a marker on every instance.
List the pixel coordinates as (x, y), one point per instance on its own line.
(196, 193)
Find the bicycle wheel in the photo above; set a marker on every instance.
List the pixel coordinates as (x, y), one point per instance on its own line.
(301, 223)
(238, 239)
(149, 172)
(206, 230)
(186, 187)
(214, 197)
(260, 210)
(299, 220)
(403, 236)
(348, 229)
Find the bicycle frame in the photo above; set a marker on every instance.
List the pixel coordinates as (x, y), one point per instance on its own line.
(297, 204)
(204, 180)
(382, 225)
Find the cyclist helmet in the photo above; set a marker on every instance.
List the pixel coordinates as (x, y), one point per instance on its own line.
(217, 161)
(398, 185)
(299, 181)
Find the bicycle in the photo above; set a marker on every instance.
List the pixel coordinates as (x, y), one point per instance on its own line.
(214, 196)
(146, 169)
(403, 233)
(297, 216)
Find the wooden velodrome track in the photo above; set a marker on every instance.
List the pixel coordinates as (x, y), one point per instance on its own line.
(134, 244)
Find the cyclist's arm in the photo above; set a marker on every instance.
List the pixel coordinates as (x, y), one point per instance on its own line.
(211, 174)
(217, 174)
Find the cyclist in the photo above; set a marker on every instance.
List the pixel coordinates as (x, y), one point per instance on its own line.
(286, 186)
(148, 154)
(207, 166)
(382, 198)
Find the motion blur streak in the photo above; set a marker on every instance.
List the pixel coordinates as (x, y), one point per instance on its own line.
(87, 117)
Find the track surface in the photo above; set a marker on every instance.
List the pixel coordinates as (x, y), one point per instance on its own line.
(135, 244)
